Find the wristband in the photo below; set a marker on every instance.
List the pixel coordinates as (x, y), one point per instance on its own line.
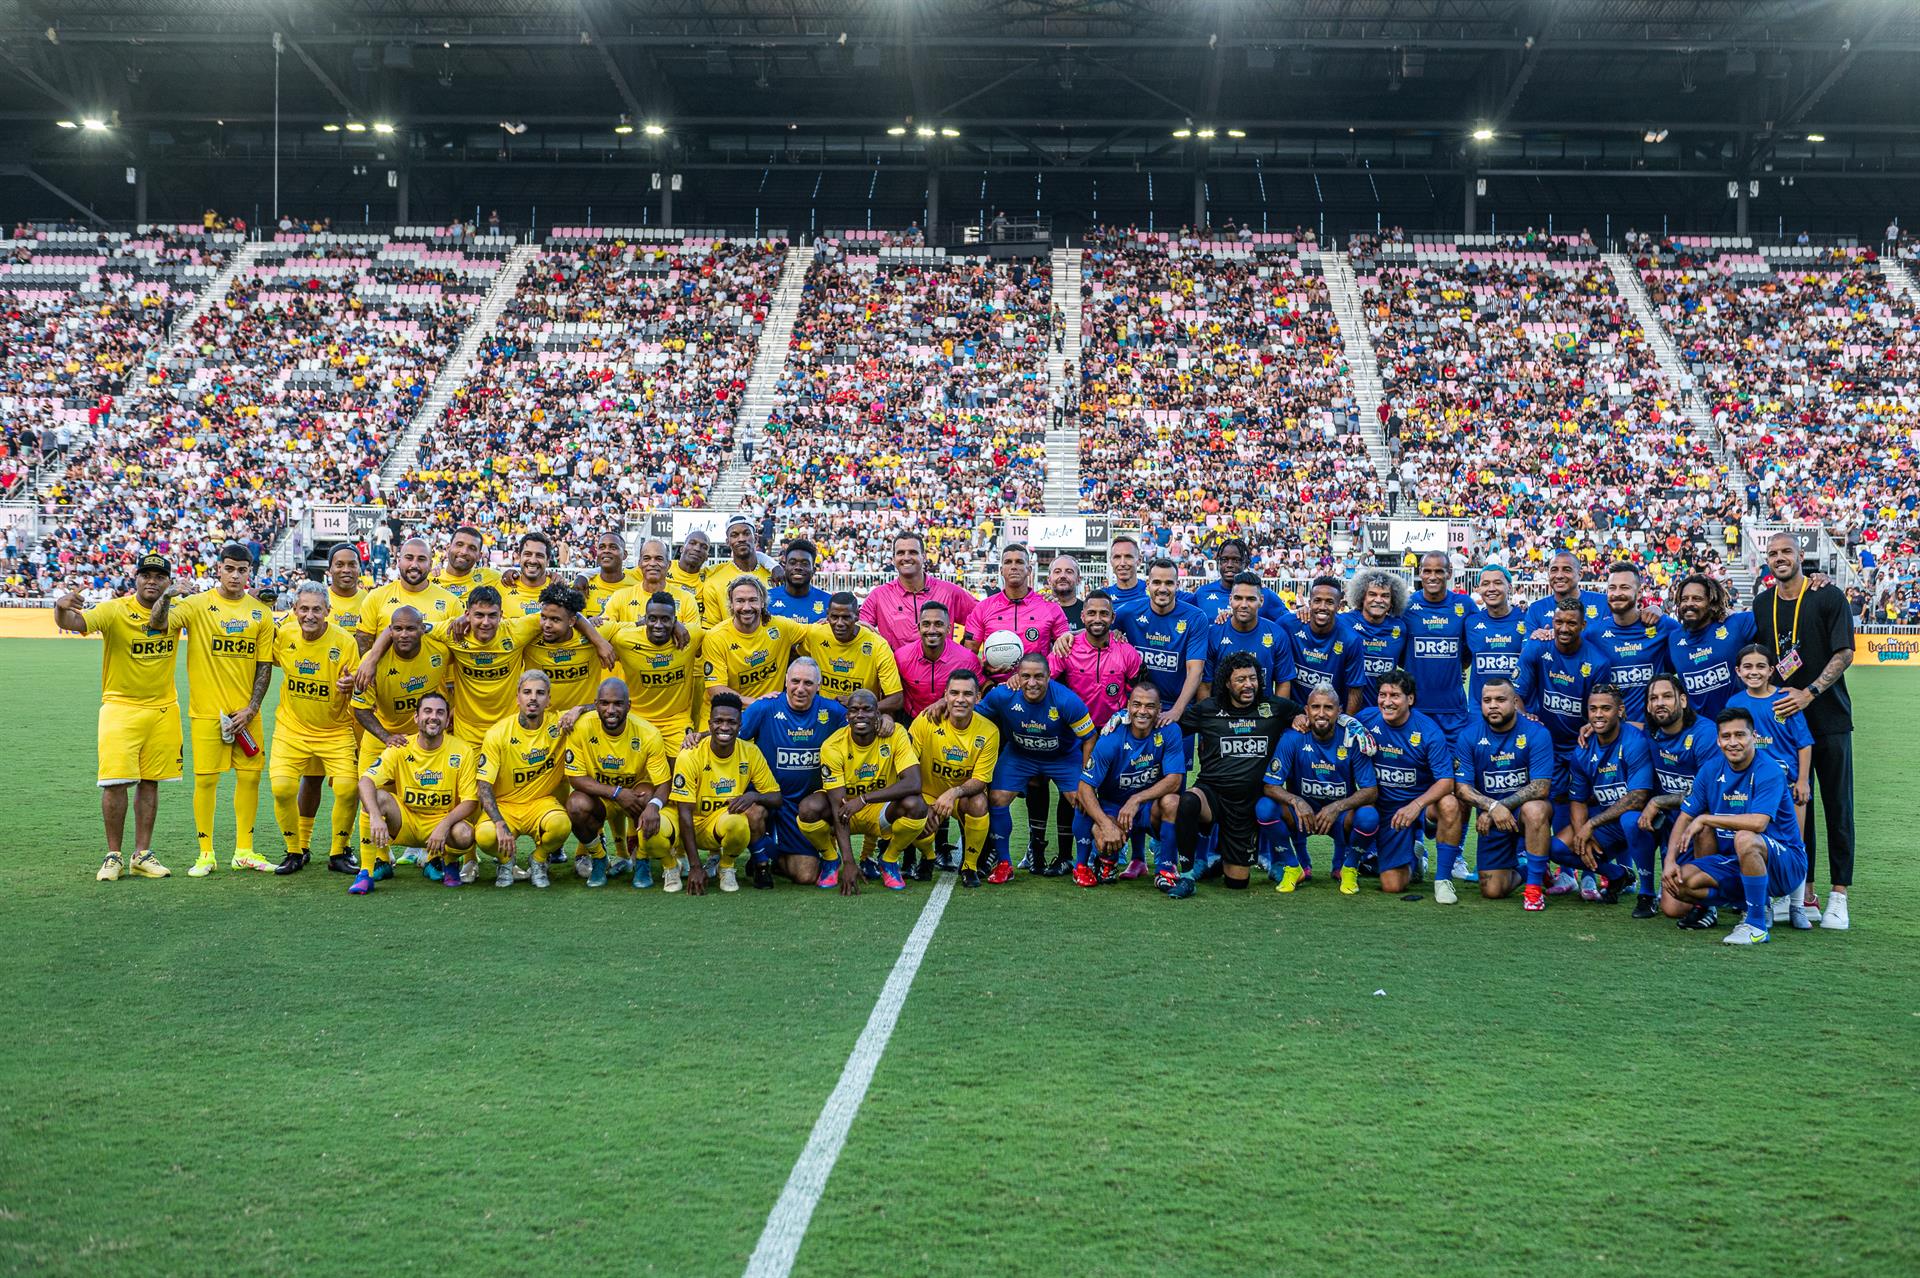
(657, 802)
(616, 790)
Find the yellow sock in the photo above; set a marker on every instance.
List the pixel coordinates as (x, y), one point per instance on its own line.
(306, 833)
(734, 834)
(206, 789)
(286, 811)
(346, 800)
(905, 831)
(246, 806)
(973, 840)
(820, 834)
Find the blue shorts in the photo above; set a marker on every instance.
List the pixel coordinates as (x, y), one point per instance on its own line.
(1786, 866)
(785, 829)
(1394, 849)
(1498, 849)
(1724, 869)
(1014, 770)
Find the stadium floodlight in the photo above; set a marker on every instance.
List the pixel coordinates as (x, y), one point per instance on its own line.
(897, 131)
(947, 132)
(923, 131)
(1816, 137)
(653, 130)
(1183, 133)
(1204, 133)
(93, 124)
(382, 127)
(67, 124)
(354, 126)
(329, 128)
(624, 126)
(1236, 133)
(1483, 134)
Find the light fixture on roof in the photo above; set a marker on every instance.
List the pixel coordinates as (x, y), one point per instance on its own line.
(653, 130)
(897, 131)
(1204, 133)
(329, 128)
(1816, 137)
(1183, 133)
(515, 127)
(1236, 133)
(93, 124)
(1483, 134)
(67, 124)
(354, 126)
(624, 127)
(382, 127)
(923, 131)
(947, 132)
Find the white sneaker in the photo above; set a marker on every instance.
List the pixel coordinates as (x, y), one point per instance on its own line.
(1836, 915)
(539, 871)
(469, 871)
(729, 881)
(1443, 893)
(582, 865)
(1745, 934)
(670, 878)
(1780, 904)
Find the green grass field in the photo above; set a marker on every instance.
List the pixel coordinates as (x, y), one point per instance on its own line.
(258, 1075)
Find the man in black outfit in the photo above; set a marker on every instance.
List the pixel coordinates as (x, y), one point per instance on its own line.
(1234, 732)
(1809, 631)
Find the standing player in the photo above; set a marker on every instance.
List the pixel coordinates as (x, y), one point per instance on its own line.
(1128, 588)
(516, 779)
(1495, 634)
(1413, 762)
(723, 793)
(1319, 784)
(406, 665)
(850, 655)
(346, 595)
(1319, 643)
(789, 730)
(796, 598)
(743, 560)
(1171, 638)
(1235, 732)
(564, 645)
(1563, 588)
(616, 771)
(893, 608)
(139, 733)
(871, 782)
(1437, 655)
(1702, 650)
(611, 579)
(1044, 733)
(1636, 645)
(687, 579)
(1612, 770)
(663, 677)
(1504, 770)
(459, 573)
(487, 662)
(1129, 783)
(313, 727)
(1245, 630)
(926, 666)
(1018, 607)
(747, 654)
(958, 754)
(1555, 677)
(630, 605)
(1233, 559)
(1374, 633)
(522, 585)
(435, 604)
(423, 794)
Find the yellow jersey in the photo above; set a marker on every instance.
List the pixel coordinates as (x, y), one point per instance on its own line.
(519, 762)
(865, 662)
(951, 756)
(686, 586)
(226, 638)
(345, 611)
(572, 667)
(399, 683)
(711, 783)
(485, 676)
(752, 665)
(713, 588)
(664, 684)
(522, 600)
(428, 782)
(629, 607)
(600, 594)
(136, 664)
(437, 606)
(858, 769)
(313, 704)
(459, 586)
(634, 755)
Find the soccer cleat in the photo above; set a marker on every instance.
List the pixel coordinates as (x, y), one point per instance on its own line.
(1461, 874)
(1135, 869)
(762, 875)
(292, 863)
(922, 871)
(1589, 886)
(1563, 883)
(829, 878)
(1182, 888)
(1290, 877)
(1060, 867)
(449, 877)
(469, 872)
(1745, 934)
(1085, 877)
(597, 872)
(382, 870)
(1699, 919)
(521, 873)
(643, 873)
(1646, 907)
(249, 861)
(1532, 898)
(1611, 890)
(1349, 881)
(343, 863)
(729, 881)
(1002, 871)
(362, 884)
(670, 877)
(582, 865)
(890, 876)
(109, 869)
(618, 867)
(969, 878)
(1034, 862)
(203, 867)
(410, 856)
(1799, 916)
(1835, 919)
(538, 872)
(869, 869)
(431, 870)
(1165, 879)
(143, 866)
(503, 877)
(1779, 906)
(1444, 892)
(946, 861)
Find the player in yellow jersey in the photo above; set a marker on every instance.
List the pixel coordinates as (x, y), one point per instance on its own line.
(743, 560)
(629, 606)
(560, 642)
(139, 734)
(663, 676)
(723, 793)
(852, 656)
(346, 600)
(518, 774)
(687, 579)
(423, 793)
(487, 662)
(957, 758)
(459, 572)
(871, 783)
(313, 726)
(612, 579)
(616, 765)
(409, 664)
(229, 662)
(436, 605)
(520, 585)
(748, 654)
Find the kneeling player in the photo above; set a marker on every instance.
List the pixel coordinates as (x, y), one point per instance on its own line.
(957, 757)
(616, 766)
(1130, 782)
(517, 776)
(1320, 785)
(1737, 841)
(1503, 769)
(723, 793)
(1681, 745)
(871, 784)
(1612, 767)
(422, 794)
(1414, 764)
(789, 730)
(1235, 731)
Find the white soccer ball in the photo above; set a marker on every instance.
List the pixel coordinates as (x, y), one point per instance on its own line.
(1002, 651)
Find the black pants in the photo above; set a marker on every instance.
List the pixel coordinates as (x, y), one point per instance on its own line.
(1833, 788)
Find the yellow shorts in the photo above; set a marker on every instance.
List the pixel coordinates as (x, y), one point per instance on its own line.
(414, 829)
(867, 821)
(293, 757)
(315, 768)
(213, 756)
(525, 815)
(706, 827)
(138, 743)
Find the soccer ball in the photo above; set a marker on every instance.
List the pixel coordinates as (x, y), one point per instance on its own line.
(1002, 650)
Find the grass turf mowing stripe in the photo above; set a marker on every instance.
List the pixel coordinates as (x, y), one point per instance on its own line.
(787, 1222)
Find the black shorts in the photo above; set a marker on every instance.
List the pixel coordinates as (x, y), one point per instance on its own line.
(1233, 818)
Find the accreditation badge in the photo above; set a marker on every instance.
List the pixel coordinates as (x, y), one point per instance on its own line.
(1788, 663)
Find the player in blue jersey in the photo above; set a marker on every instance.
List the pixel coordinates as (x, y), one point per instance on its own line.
(1245, 630)
(1320, 784)
(1636, 643)
(1044, 732)
(1503, 769)
(1233, 558)
(789, 730)
(1130, 786)
(1413, 762)
(1702, 650)
(1125, 584)
(1563, 587)
(1737, 841)
(1555, 677)
(793, 594)
(1495, 634)
(1681, 744)
(1610, 784)
(1375, 634)
(1437, 653)
(1319, 645)
(1171, 637)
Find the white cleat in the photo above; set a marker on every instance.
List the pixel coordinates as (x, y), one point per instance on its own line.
(1745, 934)
(729, 881)
(1836, 915)
(469, 871)
(670, 879)
(1443, 893)
(582, 865)
(1780, 907)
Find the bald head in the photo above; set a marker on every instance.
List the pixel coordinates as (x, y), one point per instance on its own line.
(407, 626)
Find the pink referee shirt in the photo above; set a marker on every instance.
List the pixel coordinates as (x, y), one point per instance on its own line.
(895, 612)
(1099, 676)
(1035, 617)
(924, 682)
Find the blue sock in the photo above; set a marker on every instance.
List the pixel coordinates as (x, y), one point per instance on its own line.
(1563, 855)
(761, 851)
(1139, 845)
(1082, 838)
(1759, 906)
(1640, 851)
(1366, 824)
(1266, 813)
(1448, 856)
(1165, 852)
(1611, 871)
(1300, 855)
(999, 834)
(1536, 870)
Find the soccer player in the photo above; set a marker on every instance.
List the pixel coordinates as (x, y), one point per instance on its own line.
(1245, 630)
(958, 753)
(789, 730)
(850, 655)
(346, 595)
(926, 667)
(871, 782)
(1503, 770)
(743, 560)
(630, 605)
(1702, 650)
(1784, 740)
(313, 727)
(1234, 733)
(795, 597)
(1495, 634)
(1555, 677)
(406, 665)
(1018, 607)
(663, 676)
(435, 604)
(1319, 644)
(139, 732)
(1374, 632)
(893, 608)
(748, 653)
(1233, 559)
(563, 644)
(459, 574)
(1612, 771)
(1680, 745)
(1319, 784)
(517, 776)
(612, 579)
(1737, 841)
(1636, 645)
(1099, 666)
(1413, 762)
(723, 793)
(1128, 789)
(229, 662)
(687, 578)
(423, 793)
(522, 585)
(1171, 638)
(487, 662)
(1563, 587)
(1128, 588)
(1437, 655)
(1063, 583)
(1045, 733)
(615, 765)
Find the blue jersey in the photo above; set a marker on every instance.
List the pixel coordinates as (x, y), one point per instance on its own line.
(1372, 650)
(809, 607)
(791, 739)
(1760, 790)
(1678, 757)
(1166, 643)
(1319, 661)
(1127, 598)
(1123, 765)
(1047, 728)
(1211, 600)
(1637, 652)
(1408, 759)
(1501, 764)
(1777, 738)
(1540, 611)
(1266, 641)
(1437, 653)
(1321, 772)
(1493, 644)
(1554, 686)
(1704, 660)
(1603, 774)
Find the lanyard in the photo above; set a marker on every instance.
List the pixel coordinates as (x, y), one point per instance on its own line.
(1794, 640)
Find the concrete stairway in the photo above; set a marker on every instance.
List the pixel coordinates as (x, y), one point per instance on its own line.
(1343, 290)
(730, 486)
(1062, 493)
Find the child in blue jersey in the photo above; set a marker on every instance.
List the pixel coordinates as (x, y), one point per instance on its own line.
(1171, 637)
(789, 730)
(1319, 645)
(1322, 785)
(1245, 630)
(1131, 781)
(1610, 782)
(1494, 635)
(1637, 646)
(1737, 841)
(1786, 741)
(1437, 653)
(1044, 732)
(1503, 769)
(1375, 634)
(1702, 650)
(1413, 762)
